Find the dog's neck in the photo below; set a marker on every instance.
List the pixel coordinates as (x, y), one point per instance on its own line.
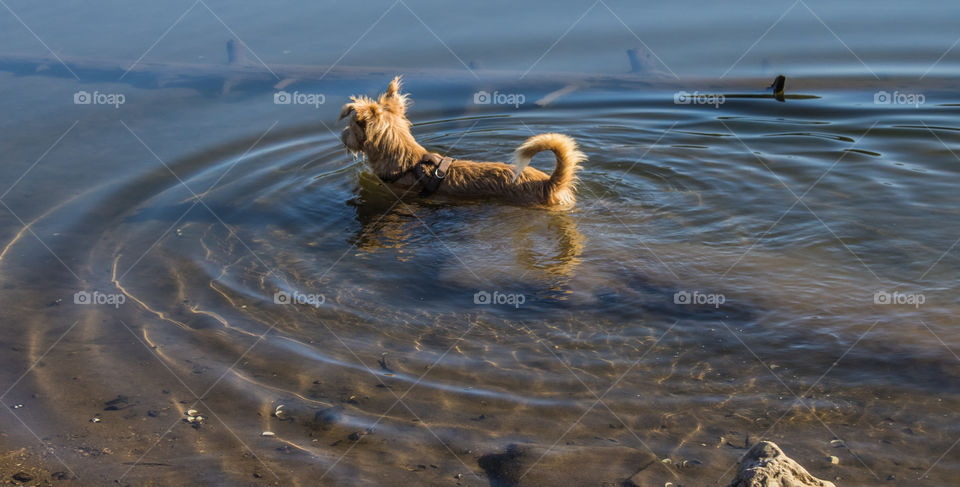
(397, 157)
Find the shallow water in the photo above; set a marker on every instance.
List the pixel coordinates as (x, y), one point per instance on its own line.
(189, 213)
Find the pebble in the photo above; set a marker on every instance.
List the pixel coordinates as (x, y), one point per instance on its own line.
(834, 460)
(192, 412)
(95, 420)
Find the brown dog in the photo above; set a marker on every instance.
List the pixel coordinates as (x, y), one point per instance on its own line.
(380, 130)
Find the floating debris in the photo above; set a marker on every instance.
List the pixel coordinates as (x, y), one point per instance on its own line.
(192, 412)
(95, 420)
(268, 434)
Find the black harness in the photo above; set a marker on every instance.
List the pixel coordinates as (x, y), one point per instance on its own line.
(430, 172)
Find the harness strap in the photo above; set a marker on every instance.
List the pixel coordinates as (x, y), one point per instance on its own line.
(430, 172)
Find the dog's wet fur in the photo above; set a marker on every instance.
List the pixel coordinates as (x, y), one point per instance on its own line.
(379, 129)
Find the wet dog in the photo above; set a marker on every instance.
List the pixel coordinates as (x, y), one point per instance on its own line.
(379, 129)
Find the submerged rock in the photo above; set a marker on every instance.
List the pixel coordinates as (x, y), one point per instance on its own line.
(765, 465)
(505, 469)
(528, 465)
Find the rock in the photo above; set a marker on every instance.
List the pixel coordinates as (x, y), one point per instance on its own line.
(22, 477)
(635, 480)
(534, 465)
(356, 435)
(765, 465)
(326, 419)
(120, 402)
(505, 469)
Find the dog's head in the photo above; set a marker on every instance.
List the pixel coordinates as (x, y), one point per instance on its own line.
(377, 127)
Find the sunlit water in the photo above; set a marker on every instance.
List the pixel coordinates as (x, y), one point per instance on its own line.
(196, 217)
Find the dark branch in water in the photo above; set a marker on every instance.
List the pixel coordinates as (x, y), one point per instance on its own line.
(777, 87)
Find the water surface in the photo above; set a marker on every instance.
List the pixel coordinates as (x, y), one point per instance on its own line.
(198, 208)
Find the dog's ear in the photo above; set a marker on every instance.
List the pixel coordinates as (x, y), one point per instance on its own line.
(392, 100)
(345, 111)
(362, 107)
(394, 88)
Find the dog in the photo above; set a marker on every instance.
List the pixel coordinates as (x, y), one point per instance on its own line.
(380, 130)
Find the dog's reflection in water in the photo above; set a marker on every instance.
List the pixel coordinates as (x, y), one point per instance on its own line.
(535, 243)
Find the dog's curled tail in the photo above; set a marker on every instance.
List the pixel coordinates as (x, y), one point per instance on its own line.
(561, 186)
